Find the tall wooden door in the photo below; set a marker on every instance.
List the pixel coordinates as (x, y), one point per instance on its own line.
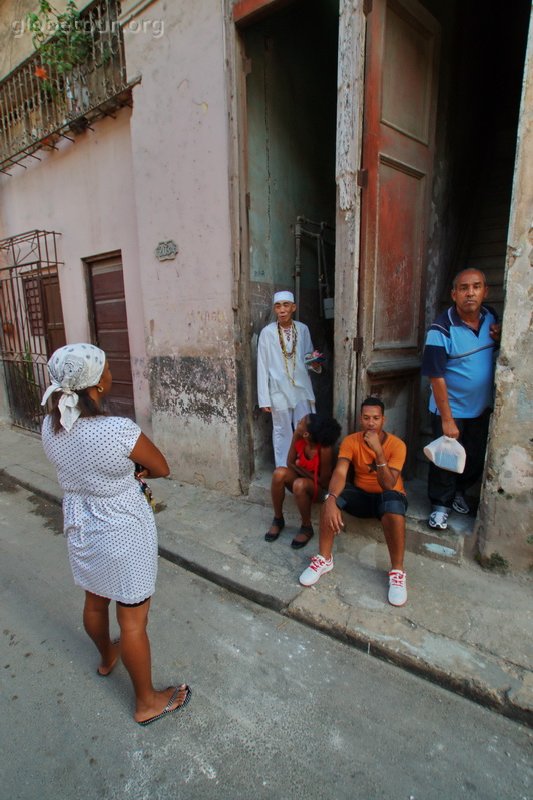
(53, 314)
(398, 151)
(110, 330)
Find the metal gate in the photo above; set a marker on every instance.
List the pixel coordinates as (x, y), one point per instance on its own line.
(31, 321)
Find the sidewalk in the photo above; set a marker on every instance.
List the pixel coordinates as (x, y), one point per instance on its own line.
(464, 628)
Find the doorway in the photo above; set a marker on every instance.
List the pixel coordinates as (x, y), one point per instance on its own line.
(481, 73)
(443, 215)
(483, 76)
(290, 122)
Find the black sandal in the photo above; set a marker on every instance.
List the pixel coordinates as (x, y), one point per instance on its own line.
(308, 531)
(279, 522)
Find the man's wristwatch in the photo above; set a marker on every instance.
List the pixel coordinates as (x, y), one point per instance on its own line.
(329, 494)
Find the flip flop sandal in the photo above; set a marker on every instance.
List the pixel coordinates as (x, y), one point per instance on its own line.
(279, 522)
(308, 531)
(167, 709)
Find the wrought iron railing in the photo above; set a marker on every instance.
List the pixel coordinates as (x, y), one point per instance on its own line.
(31, 321)
(40, 102)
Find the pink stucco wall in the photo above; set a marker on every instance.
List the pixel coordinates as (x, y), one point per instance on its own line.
(84, 191)
(155, 173)
(180, 172)
(179, 133)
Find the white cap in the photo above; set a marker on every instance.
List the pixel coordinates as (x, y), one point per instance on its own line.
(281, 297)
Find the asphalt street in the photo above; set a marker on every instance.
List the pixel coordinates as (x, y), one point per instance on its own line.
(278, 710)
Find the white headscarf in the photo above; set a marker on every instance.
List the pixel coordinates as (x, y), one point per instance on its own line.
(75, 366)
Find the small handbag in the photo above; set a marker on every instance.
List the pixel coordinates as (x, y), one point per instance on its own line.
(145, 489)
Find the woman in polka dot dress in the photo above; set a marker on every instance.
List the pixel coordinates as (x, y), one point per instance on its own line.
(109, 525)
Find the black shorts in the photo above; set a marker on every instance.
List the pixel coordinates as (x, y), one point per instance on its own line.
(359, 503)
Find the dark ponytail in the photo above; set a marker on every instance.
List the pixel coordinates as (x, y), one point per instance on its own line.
(88, 408)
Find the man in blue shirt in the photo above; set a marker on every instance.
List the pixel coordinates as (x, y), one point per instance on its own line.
(459, 361)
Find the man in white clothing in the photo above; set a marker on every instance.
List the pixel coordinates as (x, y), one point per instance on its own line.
(283, 384)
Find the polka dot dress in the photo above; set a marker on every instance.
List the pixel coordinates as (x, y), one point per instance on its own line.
(110, 528)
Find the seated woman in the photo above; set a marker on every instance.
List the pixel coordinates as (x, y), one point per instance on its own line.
(307, 474)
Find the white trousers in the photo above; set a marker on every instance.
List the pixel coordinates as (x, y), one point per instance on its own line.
(284, 422)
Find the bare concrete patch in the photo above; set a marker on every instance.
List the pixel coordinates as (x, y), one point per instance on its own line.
(485, 678)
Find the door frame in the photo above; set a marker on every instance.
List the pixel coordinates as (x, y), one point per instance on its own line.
(237, 69)
(350, 105)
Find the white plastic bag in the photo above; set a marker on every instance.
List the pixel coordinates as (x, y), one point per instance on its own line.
(446, 453)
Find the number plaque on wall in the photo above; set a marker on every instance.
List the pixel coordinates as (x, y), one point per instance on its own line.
(165, 251)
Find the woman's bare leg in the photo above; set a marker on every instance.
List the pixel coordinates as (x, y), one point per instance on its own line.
(282, 478)
(303, 490)
(136, 656)
(96, 624)
(277, 489)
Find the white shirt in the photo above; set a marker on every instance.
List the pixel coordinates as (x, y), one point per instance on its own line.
(275, 388)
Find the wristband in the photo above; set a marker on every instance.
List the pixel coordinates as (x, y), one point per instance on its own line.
(382, 465)
(330, 494)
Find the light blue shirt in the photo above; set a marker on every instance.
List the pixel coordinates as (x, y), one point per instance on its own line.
(465, 359)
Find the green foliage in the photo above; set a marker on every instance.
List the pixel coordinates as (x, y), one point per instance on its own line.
(70, 44)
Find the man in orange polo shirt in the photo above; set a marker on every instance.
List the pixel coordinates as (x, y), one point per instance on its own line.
(377, 491)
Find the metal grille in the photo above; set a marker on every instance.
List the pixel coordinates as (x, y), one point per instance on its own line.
(39, 103)
(31, 321)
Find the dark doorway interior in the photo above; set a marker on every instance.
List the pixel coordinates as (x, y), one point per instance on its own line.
(291, 127)
(486, 84)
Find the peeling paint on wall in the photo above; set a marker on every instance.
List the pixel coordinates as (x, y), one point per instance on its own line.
(196, 386)
(504, 517)
(349, 100)
(516, 474)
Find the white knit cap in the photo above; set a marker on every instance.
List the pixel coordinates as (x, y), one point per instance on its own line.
(75, 366)
(282, 297)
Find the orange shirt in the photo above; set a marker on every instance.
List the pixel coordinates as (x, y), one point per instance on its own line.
(355, 449)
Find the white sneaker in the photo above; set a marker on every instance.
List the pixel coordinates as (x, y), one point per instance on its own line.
(397, 587)
(438, 519)
(316, 568)
(460, 505)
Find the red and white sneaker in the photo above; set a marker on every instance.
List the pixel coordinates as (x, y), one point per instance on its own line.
(316, 568)
(397, 587)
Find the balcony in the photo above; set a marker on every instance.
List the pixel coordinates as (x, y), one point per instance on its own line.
(39, 103)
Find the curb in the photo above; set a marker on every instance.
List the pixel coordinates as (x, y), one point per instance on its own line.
(296, 603)
(471, 689)
(496, 697)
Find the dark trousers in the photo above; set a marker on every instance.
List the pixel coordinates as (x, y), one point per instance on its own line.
(442, 484)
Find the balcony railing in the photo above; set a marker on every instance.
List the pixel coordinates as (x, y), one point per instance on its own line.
(40, 103)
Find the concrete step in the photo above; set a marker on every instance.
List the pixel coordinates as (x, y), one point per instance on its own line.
(451, 545)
